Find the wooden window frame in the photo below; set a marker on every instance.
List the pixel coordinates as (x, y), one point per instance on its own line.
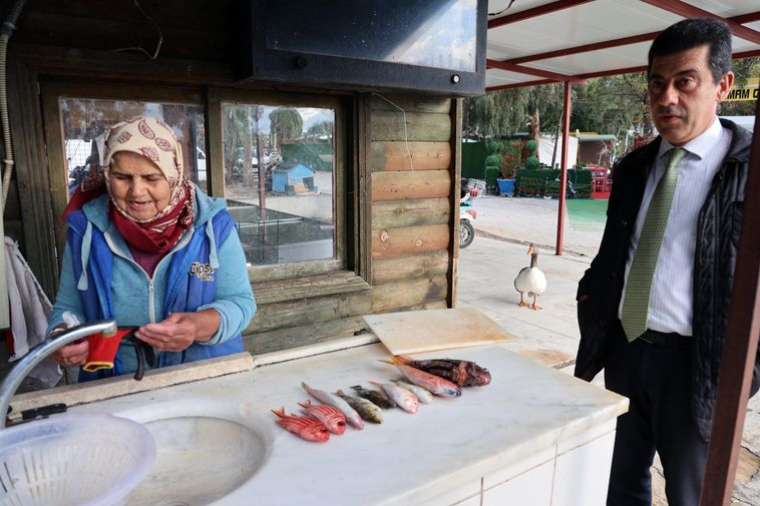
(348, 272)
(216, 98)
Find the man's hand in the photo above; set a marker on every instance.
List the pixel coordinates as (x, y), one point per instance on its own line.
(180, 330)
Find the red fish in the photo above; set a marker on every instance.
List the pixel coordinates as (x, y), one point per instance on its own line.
(435, 384)
(331, 417)
(304, 427)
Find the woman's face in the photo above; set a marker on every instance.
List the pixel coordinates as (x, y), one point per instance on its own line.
(138, 186)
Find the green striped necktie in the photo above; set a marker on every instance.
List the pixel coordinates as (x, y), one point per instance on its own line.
(639, 284)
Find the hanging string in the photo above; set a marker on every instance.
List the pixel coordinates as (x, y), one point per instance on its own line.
(140, 49)
(406, 136)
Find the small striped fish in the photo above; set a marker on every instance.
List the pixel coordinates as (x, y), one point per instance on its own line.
(304, 427)
(331, 417)
(352, 416)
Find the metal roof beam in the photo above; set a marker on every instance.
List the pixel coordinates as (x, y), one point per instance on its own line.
(746, 18)
(746, 54)
(601, 73)
(501, 87)
(594, 46)
(493, 64)
(558, 5)
(613, 72)
(623, 41)
(689, 11)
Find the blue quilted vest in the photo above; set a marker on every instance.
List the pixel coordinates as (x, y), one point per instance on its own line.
(185, 292)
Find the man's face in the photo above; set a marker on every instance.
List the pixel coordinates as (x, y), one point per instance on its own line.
(683, 96)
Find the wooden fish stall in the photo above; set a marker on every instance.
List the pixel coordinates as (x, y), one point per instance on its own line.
(394, 220)
(347, 203)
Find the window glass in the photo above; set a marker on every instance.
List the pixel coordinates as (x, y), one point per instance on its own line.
(85, 122)
(279, 173)
(435, 33)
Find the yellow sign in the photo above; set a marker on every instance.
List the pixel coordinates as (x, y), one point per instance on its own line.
(748, 92)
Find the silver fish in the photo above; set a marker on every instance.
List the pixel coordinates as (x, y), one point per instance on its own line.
(366, 409)
(352, 416)
(405, 399)
(422, 394)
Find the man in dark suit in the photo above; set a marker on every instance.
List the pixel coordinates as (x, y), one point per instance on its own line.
(652, 307)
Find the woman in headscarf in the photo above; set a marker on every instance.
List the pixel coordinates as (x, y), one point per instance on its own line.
(147, 248)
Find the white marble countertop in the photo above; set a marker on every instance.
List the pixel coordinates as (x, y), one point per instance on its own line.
(409, 458)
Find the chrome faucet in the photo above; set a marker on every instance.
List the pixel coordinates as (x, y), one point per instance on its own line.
(37, 354)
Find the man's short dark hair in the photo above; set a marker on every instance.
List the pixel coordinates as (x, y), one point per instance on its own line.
(691, 33)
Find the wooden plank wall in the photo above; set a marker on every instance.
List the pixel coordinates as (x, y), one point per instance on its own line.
(410, 162)
(406, 146)
(411, 183)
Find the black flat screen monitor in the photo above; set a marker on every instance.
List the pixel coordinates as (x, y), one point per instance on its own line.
(435, 46)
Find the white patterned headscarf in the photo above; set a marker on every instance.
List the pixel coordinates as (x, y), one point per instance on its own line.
(152, 138)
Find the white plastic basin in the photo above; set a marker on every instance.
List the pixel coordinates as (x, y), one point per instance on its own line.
(204, 450)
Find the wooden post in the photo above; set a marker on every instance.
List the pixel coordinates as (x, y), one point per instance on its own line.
(455, 188)
(566, 109)
(740, 347)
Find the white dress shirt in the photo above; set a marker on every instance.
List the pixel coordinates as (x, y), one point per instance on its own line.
(670, 299)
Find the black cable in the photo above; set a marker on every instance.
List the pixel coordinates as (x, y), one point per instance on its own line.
(503, 10)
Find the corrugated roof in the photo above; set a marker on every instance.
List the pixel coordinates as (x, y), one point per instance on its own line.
(543, 41)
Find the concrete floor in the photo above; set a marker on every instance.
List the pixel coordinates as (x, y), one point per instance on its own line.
(486, 272)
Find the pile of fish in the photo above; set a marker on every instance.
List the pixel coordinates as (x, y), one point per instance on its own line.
(423, 379)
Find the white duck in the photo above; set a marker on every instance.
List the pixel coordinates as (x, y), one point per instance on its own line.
(531, 280)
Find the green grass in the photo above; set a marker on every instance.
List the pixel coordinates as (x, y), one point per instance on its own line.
(587, 211)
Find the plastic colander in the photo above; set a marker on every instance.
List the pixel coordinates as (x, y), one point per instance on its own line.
(93, 460)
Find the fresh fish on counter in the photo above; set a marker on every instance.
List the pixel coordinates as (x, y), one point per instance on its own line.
(304, 427)
(376, 397)
(352, 416)
(462, 372)
(439, 386)
(403, 398)
(364, 407)
(422, 394)
(331, 417)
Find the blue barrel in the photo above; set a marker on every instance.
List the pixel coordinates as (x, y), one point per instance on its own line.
(506, 187)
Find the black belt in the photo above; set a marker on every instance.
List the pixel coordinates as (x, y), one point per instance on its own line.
(665, 340)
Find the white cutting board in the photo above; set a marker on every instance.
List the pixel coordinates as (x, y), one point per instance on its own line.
(435, 329)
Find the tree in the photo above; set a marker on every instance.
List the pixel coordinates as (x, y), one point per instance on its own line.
(608, 105)
(321, 129)
(286, 124)
(238, 146)
(508, 112)
(614, 105)
(744, 69)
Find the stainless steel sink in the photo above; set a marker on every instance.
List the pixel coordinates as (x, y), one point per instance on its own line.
(204, 451)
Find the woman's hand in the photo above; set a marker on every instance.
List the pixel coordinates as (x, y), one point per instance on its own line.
(180, 330)
(73, 354)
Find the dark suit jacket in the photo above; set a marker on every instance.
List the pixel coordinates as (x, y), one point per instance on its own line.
(718, 229)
